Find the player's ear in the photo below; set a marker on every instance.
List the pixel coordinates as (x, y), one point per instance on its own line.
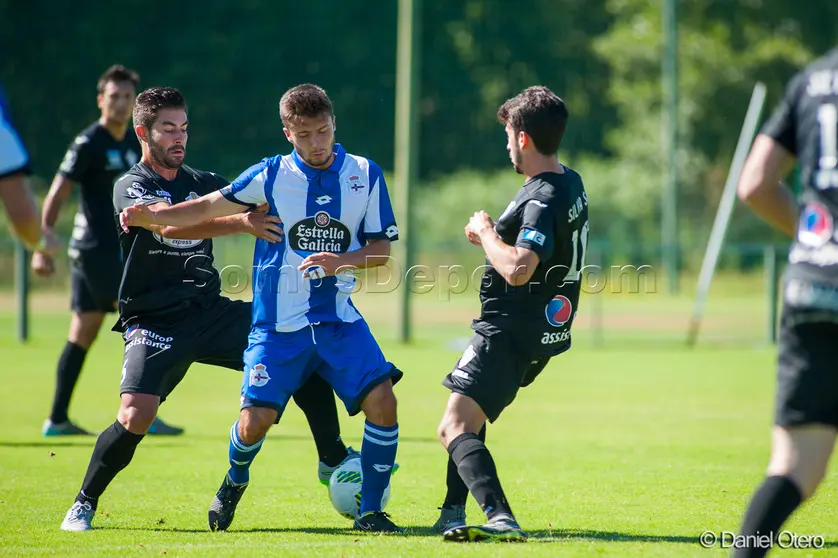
(523, 140)
(287, 134)
(141, 133)
(100, 101)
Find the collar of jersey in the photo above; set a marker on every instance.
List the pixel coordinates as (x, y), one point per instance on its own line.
(337, 163)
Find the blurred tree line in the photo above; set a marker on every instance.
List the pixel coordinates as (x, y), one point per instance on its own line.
(234, 60)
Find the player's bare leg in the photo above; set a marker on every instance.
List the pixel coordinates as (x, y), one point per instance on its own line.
(113, 452)
(799, 458)
(458, 432)
(246, 437)
(378, 456)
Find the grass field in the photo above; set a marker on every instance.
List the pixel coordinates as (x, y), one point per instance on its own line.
(617, 450)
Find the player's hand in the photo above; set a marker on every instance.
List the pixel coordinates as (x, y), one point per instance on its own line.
(473, 238)
(479, 224)
(42, 264)
(264, 226)
(321, 264)
(136, 216)
(262, 208)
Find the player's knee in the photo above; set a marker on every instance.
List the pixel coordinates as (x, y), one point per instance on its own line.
(380, 406)
(449, 429)
(254, 423)
(137, 415)
(84, 328)
(804, 465)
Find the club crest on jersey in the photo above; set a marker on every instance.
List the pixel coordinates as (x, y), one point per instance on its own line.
(356, 186)
(320, 233)
(815, 226)
(558, 311)
(259, 375)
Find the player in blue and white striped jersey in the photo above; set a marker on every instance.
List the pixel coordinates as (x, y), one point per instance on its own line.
(337, 217)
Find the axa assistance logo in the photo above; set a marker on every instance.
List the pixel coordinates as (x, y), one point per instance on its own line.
(816, 227)
(558, 311)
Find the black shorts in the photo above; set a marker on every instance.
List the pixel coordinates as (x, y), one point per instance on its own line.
(94, 288)
(492, 370)
(159, 351)
(807, 371)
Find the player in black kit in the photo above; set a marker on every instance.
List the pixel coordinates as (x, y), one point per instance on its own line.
(98, 155)
(171, 312)
(803, 129)
(529, 296)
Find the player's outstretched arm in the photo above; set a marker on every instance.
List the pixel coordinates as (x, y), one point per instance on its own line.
(257, 222)
(184, 214)
(20, 207)
(760, 186)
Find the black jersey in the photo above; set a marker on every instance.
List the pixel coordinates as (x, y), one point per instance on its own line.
(94, 160)
(550, 217)
(161, 274)
(806, 124)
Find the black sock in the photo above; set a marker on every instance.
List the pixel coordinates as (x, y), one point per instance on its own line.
(113, 452)
(316, 400)
(477, 469)
(457, 493)
(770, 506)
(69, 368)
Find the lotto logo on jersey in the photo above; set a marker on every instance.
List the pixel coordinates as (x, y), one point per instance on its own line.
(815, 227)
(558, 311)
(320, 233)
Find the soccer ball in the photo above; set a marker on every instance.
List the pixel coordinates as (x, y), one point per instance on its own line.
(345, 489)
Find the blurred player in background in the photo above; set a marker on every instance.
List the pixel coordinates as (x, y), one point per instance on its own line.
(14, 191)
(803, 129)
(529, 296)
(338, 218)
(172, 314)
(98, 155)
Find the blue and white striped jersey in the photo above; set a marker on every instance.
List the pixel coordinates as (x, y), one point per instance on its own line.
(330, 210)
(13, 154)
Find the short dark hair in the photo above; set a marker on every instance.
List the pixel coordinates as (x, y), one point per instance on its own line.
(304, 101)
(539, 113)
(117, 74)
(151, 101)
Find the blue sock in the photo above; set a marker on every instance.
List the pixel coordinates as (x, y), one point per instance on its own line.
(241, 456)
(378, 453)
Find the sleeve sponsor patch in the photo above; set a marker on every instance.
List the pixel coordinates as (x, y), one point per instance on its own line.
(534, 236)
(137, 191)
